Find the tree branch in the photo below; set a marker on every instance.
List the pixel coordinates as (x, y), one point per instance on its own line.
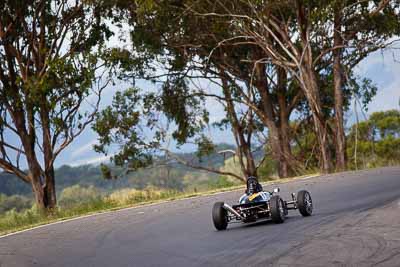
(191, 165)
(9, 168)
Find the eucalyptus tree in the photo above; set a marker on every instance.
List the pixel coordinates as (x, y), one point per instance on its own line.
(355, 30)
(300, 36)
(51, 78)
(285, 52)
(167, 31)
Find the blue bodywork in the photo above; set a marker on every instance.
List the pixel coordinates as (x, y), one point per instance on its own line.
(254, 198)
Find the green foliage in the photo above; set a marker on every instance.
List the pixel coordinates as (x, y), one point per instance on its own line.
(387, 123)
(221, 182)
(14, 220)
(54, 67)
(378, 141)
(122, 123)
(134, 122)
(168, 33)
(205, 147)
(389, 148)
(105, 170)
(267, 170)
(364, 90)
(305, 146)
(179, 107)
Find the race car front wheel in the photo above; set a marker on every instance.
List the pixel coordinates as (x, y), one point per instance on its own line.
(277, 209)
(304, 203)
(220, 216)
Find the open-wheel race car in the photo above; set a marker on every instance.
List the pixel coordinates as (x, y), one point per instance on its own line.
(257, 204)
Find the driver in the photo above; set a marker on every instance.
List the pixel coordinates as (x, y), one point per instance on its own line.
(253, 186)
(254, 192)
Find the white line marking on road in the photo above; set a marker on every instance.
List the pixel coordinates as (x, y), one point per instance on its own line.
(111, 211)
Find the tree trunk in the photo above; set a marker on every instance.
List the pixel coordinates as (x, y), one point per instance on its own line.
(28, 142)
(340, 144)
(49, 181)
(288, 164)
(309, 85)
(273, 132)
(45, 195)
(42, 187)
(269, 120)
(37, 188)
(244, 147)
(312, 94)
(50, 189)
(250, 165)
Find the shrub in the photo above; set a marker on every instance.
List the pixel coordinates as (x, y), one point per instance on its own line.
(15, 202)
(129, 195)
(13, 219)
(220, 182)
(77, 195)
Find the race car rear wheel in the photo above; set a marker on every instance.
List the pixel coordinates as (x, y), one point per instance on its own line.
(277, 209)
(220, 216)
(304, 203)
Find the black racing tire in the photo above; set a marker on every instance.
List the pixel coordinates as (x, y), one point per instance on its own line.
(304, 203)
(220, 216)
(277, 209)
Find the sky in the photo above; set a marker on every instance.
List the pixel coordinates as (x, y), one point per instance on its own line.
(383, 68)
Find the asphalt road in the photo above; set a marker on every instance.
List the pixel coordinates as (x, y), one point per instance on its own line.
(356, 222)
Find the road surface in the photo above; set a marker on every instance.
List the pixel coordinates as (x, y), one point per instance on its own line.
(356, 223)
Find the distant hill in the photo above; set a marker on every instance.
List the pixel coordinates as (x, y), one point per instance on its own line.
(174, 176)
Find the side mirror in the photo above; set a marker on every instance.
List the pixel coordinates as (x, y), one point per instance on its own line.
(277, 190)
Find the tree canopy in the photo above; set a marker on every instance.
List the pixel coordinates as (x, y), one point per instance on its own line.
(52, 72)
